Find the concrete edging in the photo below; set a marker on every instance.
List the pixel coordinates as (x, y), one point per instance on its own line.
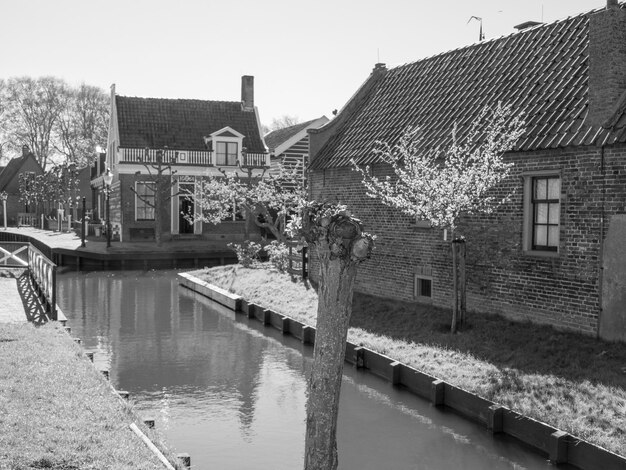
(557, 445)
(124, 397)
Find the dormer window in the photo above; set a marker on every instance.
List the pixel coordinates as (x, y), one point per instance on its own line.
(226, 153)
(226, 145)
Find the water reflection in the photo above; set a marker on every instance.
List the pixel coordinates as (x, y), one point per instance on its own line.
(232, 393)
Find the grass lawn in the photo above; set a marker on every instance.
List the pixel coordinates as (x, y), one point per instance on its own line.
(570, 381)
(57, 412)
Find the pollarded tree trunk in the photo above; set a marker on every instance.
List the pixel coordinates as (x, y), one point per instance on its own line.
(341, 245)
(333, 318)
(455, 288)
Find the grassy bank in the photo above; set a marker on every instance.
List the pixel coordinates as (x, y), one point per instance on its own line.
(55, 409)
(572, 382)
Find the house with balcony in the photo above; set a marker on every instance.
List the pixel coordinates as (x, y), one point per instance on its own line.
(185, 140)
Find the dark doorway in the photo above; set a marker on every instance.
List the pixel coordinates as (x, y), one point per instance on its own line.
(185, 209)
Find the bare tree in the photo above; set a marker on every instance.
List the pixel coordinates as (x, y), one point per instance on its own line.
(158, 164)
(83, 124)
(281, 122)
(58, 122)
(440, 185)
(32, 108)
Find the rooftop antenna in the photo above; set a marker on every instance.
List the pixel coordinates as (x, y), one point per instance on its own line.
(481, 35)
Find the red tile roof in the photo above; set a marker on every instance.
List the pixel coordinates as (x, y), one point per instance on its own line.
(182, 124)
(541, 71)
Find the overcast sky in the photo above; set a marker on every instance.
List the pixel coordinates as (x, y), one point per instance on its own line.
(307, 58)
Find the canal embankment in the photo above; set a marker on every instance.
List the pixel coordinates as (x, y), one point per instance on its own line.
(562, 394)
(57, 410)
(65, 250)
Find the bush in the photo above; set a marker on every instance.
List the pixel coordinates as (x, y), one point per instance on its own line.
(247, 252)
(278, 253)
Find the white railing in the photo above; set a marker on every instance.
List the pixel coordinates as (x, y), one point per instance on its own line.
(255, 160)
(189, 157)
(43, 274)
(175, 157)
(26, 219)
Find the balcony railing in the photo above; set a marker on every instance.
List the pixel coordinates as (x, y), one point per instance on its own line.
(190, 158)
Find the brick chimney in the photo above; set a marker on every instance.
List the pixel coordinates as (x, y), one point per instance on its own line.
(247, 92)
(607, 62)
(25, 150)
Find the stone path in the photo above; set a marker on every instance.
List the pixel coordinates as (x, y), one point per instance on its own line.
(11, 305)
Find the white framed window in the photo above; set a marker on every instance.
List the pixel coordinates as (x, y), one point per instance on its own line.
(144, 200)
(542, 213)
(226, 153)
(225, 145)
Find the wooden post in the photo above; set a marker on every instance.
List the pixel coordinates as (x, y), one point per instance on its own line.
(396, 372)
(462, 281)
(83, 223)
(455, 292)
(494, 418)
(185, 459)
(557, 452)
(304, 262)
(437, 391)
(359, 357)
(53, 300)
(308, 334)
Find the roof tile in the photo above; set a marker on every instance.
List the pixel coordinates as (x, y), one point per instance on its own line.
(182, 124)
(542, 72)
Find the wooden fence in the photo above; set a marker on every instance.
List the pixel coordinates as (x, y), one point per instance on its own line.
(298, 260)
(13, 254)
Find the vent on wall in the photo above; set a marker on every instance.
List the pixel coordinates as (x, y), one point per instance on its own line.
(422, 287)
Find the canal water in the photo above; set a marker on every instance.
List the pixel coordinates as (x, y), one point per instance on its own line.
(232, 393)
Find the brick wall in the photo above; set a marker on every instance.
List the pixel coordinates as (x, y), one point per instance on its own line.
(502, 278)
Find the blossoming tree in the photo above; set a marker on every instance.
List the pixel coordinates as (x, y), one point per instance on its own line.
(266, 200)
(442, 184)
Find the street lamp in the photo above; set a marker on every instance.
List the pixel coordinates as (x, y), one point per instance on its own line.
(108, 179)
(4, 196)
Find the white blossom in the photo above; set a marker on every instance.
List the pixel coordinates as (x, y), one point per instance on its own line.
(440, 184)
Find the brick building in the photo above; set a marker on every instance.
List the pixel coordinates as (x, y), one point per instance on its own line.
(197, 138)
(555, 252)
(10, 184)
